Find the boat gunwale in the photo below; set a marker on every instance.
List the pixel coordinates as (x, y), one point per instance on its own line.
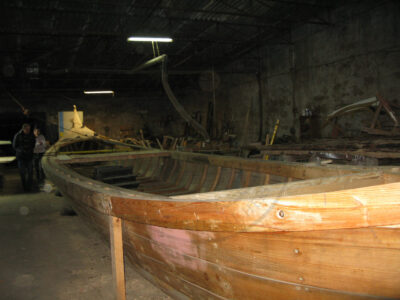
(190, 197)
(239, 215)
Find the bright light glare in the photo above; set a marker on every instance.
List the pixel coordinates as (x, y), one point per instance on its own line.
(98, 92)
(149, 39)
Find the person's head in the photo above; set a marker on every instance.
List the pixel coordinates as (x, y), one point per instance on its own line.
(36, 131)
(26, 128)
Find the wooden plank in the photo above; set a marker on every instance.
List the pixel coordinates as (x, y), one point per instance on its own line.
(202, 179)
(299, 187)
(246, 179)
(142, 170)
(172, 171)
(173, 147)
(389, 110)
(117, 257)
(287, 254)
(181, 172)
(295, 258)
(185, 189)
(177, 185)
(349, 208)
(155, 169)
(284, 169)
(110, 156)
(171, 182)
(394, 132)
(180, 189)
(222, 281)
(232, 263)
(159, 144)
(217, 176)
(170, 282)
(137, 165)
(267, 178)
(231, 178)
(376, 115)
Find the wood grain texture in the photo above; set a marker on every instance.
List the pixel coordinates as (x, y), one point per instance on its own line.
(117, 258)
(172, 256)
(317, 236)
(350, 208)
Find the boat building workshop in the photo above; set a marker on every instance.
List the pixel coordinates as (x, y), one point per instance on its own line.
(199, 149)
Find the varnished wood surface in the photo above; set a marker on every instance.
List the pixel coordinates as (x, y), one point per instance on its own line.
(301, 239)
(301, 265)
(117, 258)
(360, 200)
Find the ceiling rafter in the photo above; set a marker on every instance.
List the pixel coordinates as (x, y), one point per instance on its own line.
(204, 32)
(90, 11)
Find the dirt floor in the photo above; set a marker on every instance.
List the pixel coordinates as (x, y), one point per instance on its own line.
(47, 255)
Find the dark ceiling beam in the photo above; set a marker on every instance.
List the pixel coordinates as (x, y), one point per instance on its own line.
(158, 7)
(266, 37)
(263, 37)
(319, 21)
(298, 3)
(93, 72)
(61, 34)
(123, 22)
(222, 23)
(80, 40)
(239, 10)
(90, 11)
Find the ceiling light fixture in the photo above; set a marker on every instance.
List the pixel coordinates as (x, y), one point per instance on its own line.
(98, 92)
(149, 39)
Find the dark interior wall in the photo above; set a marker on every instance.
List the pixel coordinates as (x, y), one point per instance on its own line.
(238, 106)
(324, 68)
(355, 59)
(111, 116)
(321, 67)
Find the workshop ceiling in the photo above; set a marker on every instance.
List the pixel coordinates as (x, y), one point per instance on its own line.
(69, 45)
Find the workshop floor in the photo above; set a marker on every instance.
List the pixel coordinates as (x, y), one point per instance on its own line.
(45, 255)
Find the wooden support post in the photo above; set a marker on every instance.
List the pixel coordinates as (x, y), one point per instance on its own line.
(159, 144)
(376, 115)
(174, 144)
(246, 179)
(267, 178)
(117, 257)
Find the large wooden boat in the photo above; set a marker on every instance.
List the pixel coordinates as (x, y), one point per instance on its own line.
(216, 227)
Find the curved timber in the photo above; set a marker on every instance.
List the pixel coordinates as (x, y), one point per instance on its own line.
(205, 226)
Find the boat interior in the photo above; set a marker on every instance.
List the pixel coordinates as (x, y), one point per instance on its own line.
(180, 173)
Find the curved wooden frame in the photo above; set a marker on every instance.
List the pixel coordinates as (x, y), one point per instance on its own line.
(243, 243)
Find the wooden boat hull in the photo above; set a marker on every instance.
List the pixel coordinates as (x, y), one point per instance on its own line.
(236, 244)
(347, 263)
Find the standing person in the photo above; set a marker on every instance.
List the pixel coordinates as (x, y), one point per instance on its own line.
(38, 151)
(23, 144)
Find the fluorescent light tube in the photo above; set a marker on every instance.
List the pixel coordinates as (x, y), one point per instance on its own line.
(98, 92)
(149, 39)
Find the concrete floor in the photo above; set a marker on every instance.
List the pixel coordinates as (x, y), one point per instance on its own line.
(45, 255)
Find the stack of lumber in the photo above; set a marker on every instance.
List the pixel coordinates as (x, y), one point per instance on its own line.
(381, 149)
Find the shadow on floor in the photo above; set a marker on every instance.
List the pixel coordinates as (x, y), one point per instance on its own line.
(47, 255)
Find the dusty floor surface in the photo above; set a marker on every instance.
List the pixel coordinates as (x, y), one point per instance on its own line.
(44, 255)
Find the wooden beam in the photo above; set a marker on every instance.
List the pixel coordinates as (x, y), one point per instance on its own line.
(217, 176)
(246, 179)
(376, 115)
(117, 257)
(267, 178)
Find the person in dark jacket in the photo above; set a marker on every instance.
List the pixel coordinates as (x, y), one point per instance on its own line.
(23, 144)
